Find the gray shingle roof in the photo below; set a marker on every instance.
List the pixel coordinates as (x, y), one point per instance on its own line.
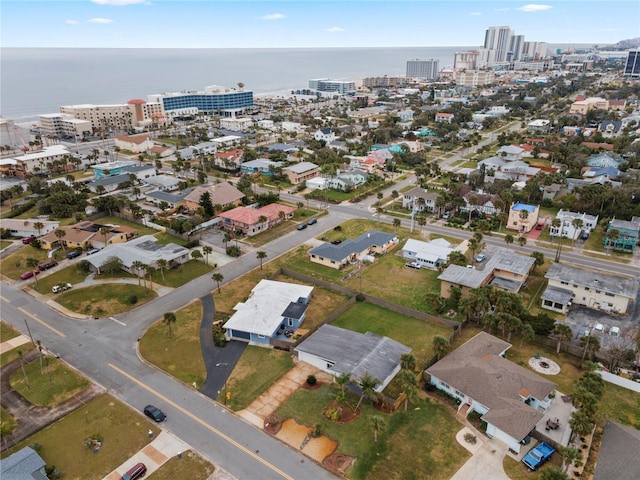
(349, 247)
(618, 457)
(477, 370)
(558, 295)
(22, 465)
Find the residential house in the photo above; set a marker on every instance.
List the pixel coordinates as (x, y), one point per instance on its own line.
(156, 197)
(109, 184)
(317, 183)
(428, 254)
(568, 227)
(36, 162)
(574, 183)
(25, 227)
(628, 234)
(111, 168)
(618, 454)
(230, 160)
(353, 251)
(405, 115)
(349, 180)
(498, 168)
(252, 221)
(293, 127)
(539, 126)
(523, 222)
(510, 153)
(85, 234)
(282, 147)
(429, 202)
(610, 173)
(261, 166)
(25, 464)
(551, 191)
(145, 249)
(236, 124)
(442, 117)
(143, 172)
(504, 269)
(166, 183)
(301, 172)
(134, 143)
(610, 128)
(594, 289)
(338, 351)
(581, 107)
(272, 310)
(510, 399)
(326, 135)
(605, 159)
(480, 204)
(223, 194)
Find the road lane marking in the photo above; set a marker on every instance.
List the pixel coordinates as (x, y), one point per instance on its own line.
(118, 321)
(44, 324)
(4, 299)
(201, 422)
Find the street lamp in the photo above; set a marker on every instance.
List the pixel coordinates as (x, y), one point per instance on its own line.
(225, 365)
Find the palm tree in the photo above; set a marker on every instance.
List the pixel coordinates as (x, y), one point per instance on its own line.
(523, 216)
(162, 265)
(104, 231)
(207, 250)
(569, 455)
(367, 386)
(217, 277)
(526, 333)
(580, 423)
(378, 424)
(137, 266)
(38, 226)
(169, 318)
(408, 362)
(539, 259)
(591, 344)
(379, 211)
(261, 255)
(508, 239)
(612, 238)
(32, 263)
(562, 333)
(39, 345)
(61, 234)
(440, 346)
(551, 472)
(24, 372)
(409, 386)
(522, 241)
(473, 201)
(342, 381)
(396, 224)
(577, 225)
(508, 324)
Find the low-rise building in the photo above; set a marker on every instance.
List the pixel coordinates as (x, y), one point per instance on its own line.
(539, 126)
(252, 221)
(230, 160)
(236, 124)
(301, 172)
(442, 117)
(353, 251)
(572, 225)
(223, 194)
(326, 135)
(260, 165)
(29, 227)
(628, 236)
(134, 143)
(419, 199)
(428, 254)
(523, 217)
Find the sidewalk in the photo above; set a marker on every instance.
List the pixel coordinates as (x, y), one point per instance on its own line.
(13, 343)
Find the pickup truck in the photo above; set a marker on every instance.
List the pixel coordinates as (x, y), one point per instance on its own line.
(537, 456)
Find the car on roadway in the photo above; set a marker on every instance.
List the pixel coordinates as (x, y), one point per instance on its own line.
(137, 471)
(312, 221)
(47, 265)
(61, 287)
(481, 258)
(29, 274)
(92, 251)
(302, 226)
(154, 413)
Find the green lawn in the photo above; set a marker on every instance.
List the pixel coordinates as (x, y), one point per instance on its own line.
(7, 423)
(49, 386)
(419, 443)
(11, 355)
(257, 369)
(621, 405)
(124, 432)
(5, 243)
(176, 277)
(516, 470)
(166, 238)
(191, 466)
(71, 274)
(7, 332)
(15, 265)
(140, 229)
(417, 334)
(179, 355)
(105, 299)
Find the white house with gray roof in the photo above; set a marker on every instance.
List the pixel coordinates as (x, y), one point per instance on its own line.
(510, 398)
(273, 310)
(594, 289)
(337, 350)
(348, 252)
(567, 227)
(428, 254)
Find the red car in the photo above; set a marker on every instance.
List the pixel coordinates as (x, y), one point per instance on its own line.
(29, 274)
(137, 471)
(27, 240)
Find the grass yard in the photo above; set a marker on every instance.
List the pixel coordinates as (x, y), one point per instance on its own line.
(365, 317)
(140, 229)
(621, 405)
(124, 432)
(48, 387)
(166, 238)
(179, 355)
(11, 355)
(7, 423)
(239, 289)
(257, 369)
(177, 277)
(191, 466)
(7, 332)
(71, 274)
(417, 444)
(105, 299)
(15, 265)
(5, 243)
(516, 470)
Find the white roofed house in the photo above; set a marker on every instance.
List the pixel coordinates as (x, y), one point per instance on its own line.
(428, 254)
(134, 143)
(569, 222)
(27, 227)
(274, 310)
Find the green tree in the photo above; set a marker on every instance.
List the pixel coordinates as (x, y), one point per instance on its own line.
(217, 277)
(522, 240)
(137, 265)
(196, 254)
(569, 455)
(104, 231)
(367, 386)
(580, 423)
(508, 239)
(408, 361)
(551, 472)
(38, 226)
(162, 265)
(526, 333)
(612, 238)
(169, 319)
(378, 424)
(261, 255)
(562, 333)
(396, 224)
(207, 250)
(440, 346)
(341, 382)
(60, 234)
(207, 205)
(409, 386)
(32, 263)
(539, 259)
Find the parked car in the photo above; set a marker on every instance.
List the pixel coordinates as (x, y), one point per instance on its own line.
(28, 240)
(336, 242)
(47, 265)
(29, 274)
(446, 215)
(539, 226)
(137, 471)
(537, 456)
(92, 251)
(61, 287)
(302, 226)
(74, 254)
(415, 265)
(312, 221)
(481, 258)
(154, 413)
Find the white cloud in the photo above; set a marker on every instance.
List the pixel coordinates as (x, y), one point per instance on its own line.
(120, 3)
(272, 16)
(533, 7)
(71, 22)
(334, 29)
(102, 21)
(475, 14)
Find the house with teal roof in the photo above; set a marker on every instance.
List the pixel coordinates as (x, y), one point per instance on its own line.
(628, 236)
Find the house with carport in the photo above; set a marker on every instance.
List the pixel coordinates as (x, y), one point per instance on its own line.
(510, 399)
(274, 310)
(353, 251)
(337, 351)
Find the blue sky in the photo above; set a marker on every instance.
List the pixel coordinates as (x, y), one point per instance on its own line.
(308, 23)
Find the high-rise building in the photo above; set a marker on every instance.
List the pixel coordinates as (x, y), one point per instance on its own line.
(498, 39)
(423, 69)
(516, 47)
(214, 99)
(466, 60)
(632, 66)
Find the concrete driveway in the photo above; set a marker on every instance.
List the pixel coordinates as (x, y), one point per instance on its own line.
(486, 462)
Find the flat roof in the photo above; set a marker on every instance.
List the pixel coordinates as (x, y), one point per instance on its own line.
(599, 280)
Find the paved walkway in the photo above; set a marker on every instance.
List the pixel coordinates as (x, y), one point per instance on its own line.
(13, 343)
(486, 462)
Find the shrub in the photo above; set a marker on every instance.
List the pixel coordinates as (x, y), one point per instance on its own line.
(338, 228)
(233, 251)
(334, 414)
(192, 244)
(360, 297)
(312, 380)
(470, 438)
(133, 299)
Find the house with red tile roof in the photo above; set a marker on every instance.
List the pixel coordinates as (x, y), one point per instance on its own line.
(230, 160)
(134, 143)
(252, 221)
(444, 117)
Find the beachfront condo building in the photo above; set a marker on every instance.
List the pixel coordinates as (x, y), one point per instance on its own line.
(214, 99)
(326, 85)
(423, 69)
(111, 118)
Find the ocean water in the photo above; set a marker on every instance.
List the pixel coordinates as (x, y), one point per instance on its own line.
(35, 81)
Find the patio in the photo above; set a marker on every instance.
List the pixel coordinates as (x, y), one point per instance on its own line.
(560, 410)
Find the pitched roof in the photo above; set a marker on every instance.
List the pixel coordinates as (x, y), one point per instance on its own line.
(618, 457)
(137, 139)
(146, 249)
(24, 464)
(301, 167)
(477, 370)
(221, 193)
(349, 247)
(251, 216)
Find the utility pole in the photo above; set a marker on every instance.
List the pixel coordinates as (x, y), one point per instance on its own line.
(29, 330)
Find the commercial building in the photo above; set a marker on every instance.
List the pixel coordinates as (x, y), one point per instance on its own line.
(386, 82)
(632, 65)
(423, 69)
(213, 100)
(474, 78)
(497, 41)
(55, 125)
(466, 60)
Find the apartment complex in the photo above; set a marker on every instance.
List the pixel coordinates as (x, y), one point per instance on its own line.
(213, 100)
(55, 125)
(327, 85)
(423, 69)
(474, 78)
(385, 81)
